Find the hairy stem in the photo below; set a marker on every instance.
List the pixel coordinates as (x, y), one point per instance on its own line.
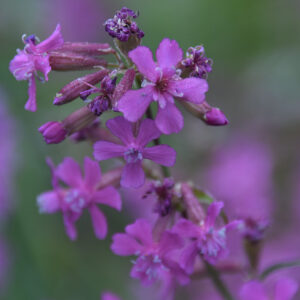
(218, 282)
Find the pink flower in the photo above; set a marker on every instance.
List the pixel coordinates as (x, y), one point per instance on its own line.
(154, 254)
(34, 58)
(134, 149)
(205, 238)
(162, 83)
(284, 289)
(82, 193)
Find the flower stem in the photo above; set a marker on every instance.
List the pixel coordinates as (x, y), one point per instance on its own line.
(218, 282)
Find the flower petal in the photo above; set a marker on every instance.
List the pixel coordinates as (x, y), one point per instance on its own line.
(22, 65)
(192, 89)
(69, 222)
(170, 241)
(31, 102)
(285, 289)
(41, 63)
(188, 257)
(109, 296)
(133, 175)
(121, 128)
(104, 150)
(253, 290)
(169, 119)
(168, 53)
(48, 202)
(54, 41)
(161, 154)
(140, 230)
(213, 211)
(99, 222)
(69, 172)
(135, 102)
(143, 59)
(108, 196)
(124, 245)
(186, 228)
(92, 172)
(148, 132)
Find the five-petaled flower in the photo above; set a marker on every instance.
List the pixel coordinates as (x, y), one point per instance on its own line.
(134, 149)
(162, 83)
(32, 59)
(205, 238)
(81, 193)
(156, 255)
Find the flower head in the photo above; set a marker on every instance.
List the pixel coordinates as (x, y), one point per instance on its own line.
(284, 289)
(32, 59)
(81, 193)
(133, 149)
(205, 237)
(122, 26)
(154, 256)
(161, 84)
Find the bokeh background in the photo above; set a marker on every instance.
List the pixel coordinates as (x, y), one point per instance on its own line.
(255, 47)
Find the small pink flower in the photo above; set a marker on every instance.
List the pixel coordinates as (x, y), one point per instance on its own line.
(162, 83)
(205, 238)
(155, 255)
(82, 193)
(109, 296)
(134, 149)
(34, 58)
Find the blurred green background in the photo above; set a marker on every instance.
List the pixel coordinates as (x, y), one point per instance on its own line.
(255, 47)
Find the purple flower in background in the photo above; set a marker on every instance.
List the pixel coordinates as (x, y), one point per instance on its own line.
(33, 59)
(154, 254)
(121, 26)
(284, 289)
(161, 84)
(109, 296)
(241, 176)
(134, 149)
(206, 239)
(83, 193)
(196, 61)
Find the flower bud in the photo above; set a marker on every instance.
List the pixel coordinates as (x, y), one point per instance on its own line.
(215, 117)
(71, 61)
(85, 48)
(74, 89)
(212, 116)
(53, 132)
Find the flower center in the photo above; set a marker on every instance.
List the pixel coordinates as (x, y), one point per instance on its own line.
(133, 155)
(75, 200)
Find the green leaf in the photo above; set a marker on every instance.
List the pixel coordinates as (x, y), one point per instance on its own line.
(279, 266)
(202, 196)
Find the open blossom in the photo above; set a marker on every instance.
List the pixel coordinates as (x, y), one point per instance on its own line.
(284, 289)
(205, 238)
(154, 255)
(82, 193)
(161, 84)
(134, 149)
(32, 59)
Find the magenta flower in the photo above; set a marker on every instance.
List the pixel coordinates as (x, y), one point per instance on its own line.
(284, 289)
(33, 59)
(134, 149)
(162, 83)
(109, 296)
(154, 255)
(206, 239)
(82, 193)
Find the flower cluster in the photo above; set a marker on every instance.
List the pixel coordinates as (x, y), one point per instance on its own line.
(189, 235)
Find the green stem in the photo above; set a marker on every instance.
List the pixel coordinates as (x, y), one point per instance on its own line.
(165, 170)
(279, 266)
(218, 282)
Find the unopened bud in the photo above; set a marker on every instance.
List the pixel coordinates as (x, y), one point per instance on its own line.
(212, 116)
(71, 61)
(53, 132)
(85, 48)
(74, 89)
(193, 207)
(215, 117)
